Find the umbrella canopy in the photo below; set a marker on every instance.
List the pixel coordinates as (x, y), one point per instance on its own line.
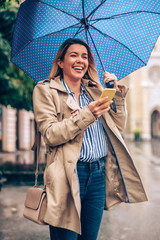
(121, 34)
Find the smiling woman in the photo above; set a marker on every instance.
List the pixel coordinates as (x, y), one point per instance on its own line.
(85, 174)
(91, 72)
(74, 67)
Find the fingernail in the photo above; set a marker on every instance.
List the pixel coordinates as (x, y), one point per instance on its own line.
(106, 97)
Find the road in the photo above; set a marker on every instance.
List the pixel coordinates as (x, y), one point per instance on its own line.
(139, 221)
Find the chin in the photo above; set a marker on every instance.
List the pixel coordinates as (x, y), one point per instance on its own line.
(78, 76)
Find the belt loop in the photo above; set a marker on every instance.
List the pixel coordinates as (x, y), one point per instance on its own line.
(99, 164)
(90, 166)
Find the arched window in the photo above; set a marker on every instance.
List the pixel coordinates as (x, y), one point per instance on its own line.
(155, 124)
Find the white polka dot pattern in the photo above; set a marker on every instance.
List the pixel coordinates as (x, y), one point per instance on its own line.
(124, 33)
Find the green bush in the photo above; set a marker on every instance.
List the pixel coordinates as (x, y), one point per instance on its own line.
(137, 135)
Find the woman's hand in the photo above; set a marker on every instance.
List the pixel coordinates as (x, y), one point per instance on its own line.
(110, 77)
(100, 106)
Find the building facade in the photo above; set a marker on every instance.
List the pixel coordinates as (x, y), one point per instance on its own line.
(17, 131)
(143, 100)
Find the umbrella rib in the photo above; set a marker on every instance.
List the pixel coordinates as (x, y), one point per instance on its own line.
(96, 51)
(84, 17)
(42, 37)
(105, 35)
(79, 30)
(95, 9)
(123, 14)
(59, 10)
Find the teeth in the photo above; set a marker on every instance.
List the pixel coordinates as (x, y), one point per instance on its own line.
(78, 68)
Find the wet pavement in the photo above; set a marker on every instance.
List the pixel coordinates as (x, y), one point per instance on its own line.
(139, 221)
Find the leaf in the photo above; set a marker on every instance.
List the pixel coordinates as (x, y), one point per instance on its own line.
(15, 86)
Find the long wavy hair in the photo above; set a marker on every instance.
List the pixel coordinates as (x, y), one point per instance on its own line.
(91, 73)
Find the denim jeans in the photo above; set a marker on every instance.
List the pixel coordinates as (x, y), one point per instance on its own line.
(92, 193)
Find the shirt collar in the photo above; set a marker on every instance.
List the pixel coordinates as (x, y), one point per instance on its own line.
(66, 86)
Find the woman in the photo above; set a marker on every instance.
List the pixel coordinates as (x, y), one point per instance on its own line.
(91, 169)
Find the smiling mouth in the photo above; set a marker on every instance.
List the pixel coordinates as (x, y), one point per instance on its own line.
(78, 68)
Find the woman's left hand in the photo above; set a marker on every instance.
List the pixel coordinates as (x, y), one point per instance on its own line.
(110, 77)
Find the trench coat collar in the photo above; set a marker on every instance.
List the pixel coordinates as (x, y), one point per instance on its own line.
(57, 84)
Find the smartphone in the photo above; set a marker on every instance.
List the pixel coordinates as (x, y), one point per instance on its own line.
(108, 92)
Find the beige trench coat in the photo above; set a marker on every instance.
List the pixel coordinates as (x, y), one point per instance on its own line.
(60, 177)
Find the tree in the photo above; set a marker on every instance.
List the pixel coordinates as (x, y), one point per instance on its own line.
(4, 3)
(15, 86)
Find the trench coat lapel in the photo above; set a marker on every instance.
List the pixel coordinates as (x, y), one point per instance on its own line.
(71, 103)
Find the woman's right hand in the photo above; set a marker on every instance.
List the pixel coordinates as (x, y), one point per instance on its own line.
(100, 106)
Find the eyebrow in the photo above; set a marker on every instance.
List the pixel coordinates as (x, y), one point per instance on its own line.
(77, 53)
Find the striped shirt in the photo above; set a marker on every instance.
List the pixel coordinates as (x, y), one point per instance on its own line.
(94, 144)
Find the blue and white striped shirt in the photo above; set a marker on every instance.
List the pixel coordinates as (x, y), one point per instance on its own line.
(94, 144)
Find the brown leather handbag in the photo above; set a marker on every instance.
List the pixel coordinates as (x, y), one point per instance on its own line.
(35, 205)
(36, 199)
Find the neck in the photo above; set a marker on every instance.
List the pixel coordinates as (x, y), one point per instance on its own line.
(74, 85)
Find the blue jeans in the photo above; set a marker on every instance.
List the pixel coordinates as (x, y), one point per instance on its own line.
(92, 194)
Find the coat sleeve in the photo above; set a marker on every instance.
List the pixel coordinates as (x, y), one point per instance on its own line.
(120, 117)
(54, 132)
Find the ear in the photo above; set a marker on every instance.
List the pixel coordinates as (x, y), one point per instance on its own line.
(60, 63)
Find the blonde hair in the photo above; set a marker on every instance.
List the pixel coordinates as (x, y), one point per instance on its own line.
(91, 73)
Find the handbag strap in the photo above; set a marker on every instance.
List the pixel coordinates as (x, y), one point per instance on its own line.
(37, 144)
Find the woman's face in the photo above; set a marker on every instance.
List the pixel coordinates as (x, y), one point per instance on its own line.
(75, 63)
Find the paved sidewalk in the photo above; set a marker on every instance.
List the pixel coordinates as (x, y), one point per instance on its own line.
(13, 225)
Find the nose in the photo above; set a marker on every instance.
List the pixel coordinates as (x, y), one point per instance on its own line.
(79, 59)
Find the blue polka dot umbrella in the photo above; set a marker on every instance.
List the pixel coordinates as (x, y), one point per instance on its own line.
(120, 33)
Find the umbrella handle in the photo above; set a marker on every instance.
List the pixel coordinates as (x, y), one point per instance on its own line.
(110, 84)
